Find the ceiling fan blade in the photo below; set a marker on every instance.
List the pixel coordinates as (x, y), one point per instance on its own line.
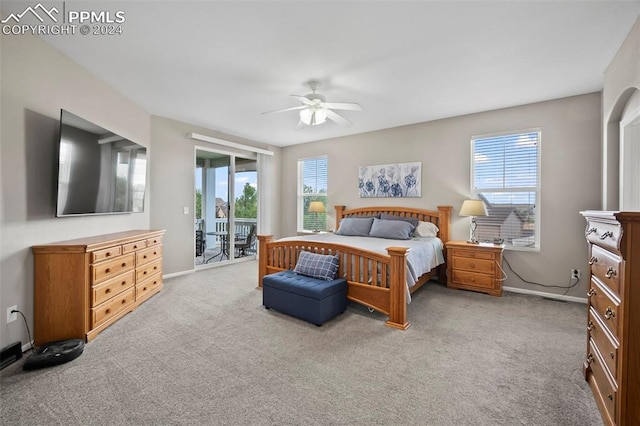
(286, 109)
(303, 99)
(343, 106)
(338, 118)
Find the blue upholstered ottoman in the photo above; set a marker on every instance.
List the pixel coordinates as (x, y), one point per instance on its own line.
(311, 299)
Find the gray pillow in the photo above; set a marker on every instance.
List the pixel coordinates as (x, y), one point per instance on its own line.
(392, 229)
(355, 226)
(412, 220)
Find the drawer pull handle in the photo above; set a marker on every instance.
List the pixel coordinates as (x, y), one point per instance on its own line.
(108, 311)
(107, 291)
(609, 313)
(593, 260)
(124, 264)
(124, 301)
(144, 257)
(155, 252)
(610, 396)
(107, 254)
(590, 326)
(123, 283)
(591, 292)
(591, 230)
(135, 247)
(107, 271)
(144, 289)
(611, 355)
(590, 359)
(606, 234)
(610, 272)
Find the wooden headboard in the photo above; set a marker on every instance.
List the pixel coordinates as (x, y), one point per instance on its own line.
(441, 218)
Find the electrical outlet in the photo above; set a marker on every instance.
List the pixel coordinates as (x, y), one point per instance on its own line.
(11, 317)
(575, 274)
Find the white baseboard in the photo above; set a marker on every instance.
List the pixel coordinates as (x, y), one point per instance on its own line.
(177, 274)
(26, 347)
(546, 295)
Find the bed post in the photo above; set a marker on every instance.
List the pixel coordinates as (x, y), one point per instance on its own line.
(398, 288)
(444, 221)
(339, 213)
(262, 257)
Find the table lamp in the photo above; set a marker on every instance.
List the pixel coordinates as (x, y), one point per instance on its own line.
(473, 208)
(317, 207)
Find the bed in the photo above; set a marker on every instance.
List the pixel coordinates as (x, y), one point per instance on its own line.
(380, 281)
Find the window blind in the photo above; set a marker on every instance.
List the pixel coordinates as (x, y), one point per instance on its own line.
(506, 176)
(312, 186)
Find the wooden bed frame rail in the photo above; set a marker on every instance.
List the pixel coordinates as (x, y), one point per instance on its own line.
(375, 280)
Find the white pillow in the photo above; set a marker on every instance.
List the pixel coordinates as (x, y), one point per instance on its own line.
(426, 229)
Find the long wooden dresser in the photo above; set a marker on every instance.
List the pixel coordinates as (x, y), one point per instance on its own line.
(82, 286)
(612, 364)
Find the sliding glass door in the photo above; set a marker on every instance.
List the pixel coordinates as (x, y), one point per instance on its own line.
(225, 207)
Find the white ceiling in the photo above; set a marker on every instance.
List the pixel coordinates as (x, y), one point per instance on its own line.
(220, 64)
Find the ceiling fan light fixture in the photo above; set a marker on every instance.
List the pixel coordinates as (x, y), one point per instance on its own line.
(313, 116)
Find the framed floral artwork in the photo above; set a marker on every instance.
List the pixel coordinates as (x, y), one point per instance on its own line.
(390, 180)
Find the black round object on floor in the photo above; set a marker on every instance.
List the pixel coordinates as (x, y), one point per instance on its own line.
(54, 353)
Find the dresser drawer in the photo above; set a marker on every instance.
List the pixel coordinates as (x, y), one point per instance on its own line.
(473, 279)
(606, 388)
(112, 287)
(154, 241)
(604, 234)
(148, 270)
(148, 255)
(149, 286)
(136, 245)
(472, 254)
(112, 307)
(109, 269)
(606, 266)
(474, 265)
(605, 305)
(607, 347)
(104, 254)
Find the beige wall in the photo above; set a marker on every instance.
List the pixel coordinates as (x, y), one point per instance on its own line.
(570, 176)
(620, 95)
(37, 81)
(172, 174)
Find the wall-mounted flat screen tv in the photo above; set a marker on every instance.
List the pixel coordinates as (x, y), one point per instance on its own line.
(99, 172)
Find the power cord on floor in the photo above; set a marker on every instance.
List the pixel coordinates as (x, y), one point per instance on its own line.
(26, 325)
(569, 287)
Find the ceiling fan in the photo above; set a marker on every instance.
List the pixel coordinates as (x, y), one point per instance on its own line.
(315, 109)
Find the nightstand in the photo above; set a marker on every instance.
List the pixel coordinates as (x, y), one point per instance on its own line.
(476, 267)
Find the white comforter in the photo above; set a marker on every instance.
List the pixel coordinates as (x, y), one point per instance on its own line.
(426, 252)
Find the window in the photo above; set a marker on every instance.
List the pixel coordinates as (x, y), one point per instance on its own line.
(312, 186)
(505, 174)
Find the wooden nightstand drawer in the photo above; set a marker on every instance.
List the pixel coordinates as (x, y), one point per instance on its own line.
(154, 241)
(149, 286)
(473, 254)
(473, 279)
(475, 265)
(599, 379)
(604, 234)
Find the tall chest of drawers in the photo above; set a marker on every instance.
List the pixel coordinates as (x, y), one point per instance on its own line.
(612, 363)
(82, 286)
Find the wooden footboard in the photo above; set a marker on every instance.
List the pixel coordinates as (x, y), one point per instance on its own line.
(375, 280)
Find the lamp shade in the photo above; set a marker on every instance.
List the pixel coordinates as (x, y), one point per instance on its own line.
(313, 116)
(473, 208)
(316, 207)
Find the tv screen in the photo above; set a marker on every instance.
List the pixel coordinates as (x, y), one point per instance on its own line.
(99, 172)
